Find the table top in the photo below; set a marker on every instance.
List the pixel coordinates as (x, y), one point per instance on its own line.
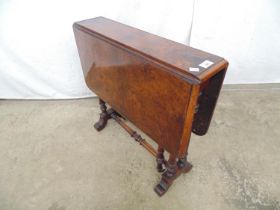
(186, 61)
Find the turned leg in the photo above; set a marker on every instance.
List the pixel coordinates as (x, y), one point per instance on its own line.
(104, 116)
(160, 159)
(183, 165)
(167, 177)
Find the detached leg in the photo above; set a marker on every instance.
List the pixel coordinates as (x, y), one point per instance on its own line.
(160, 159)
(167, 177)
(104, 116)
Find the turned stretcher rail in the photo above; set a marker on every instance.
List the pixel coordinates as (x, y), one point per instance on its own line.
(133, 133)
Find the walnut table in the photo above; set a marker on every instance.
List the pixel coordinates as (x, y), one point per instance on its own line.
(166, 89)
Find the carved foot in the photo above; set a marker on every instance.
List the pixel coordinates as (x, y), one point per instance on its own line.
(164, 184)
(104, 116)
(167, 177)
(173, 170)
(102, 122)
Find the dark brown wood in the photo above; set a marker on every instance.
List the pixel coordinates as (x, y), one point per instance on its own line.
(160, 159)
(209, 93)
(150, 81)
(102, 122)
(173, 170)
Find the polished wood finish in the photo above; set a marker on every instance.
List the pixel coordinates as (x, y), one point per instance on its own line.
(113, 114)
(148, 80)
(104, 116)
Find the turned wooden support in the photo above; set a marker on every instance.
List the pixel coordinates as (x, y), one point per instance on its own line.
(160, 159)
(171, 166)
(173, 170)
(168, 176)
(117, 117)
(184, 165)
(103, 106)
(104, 116)
(182, 162)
